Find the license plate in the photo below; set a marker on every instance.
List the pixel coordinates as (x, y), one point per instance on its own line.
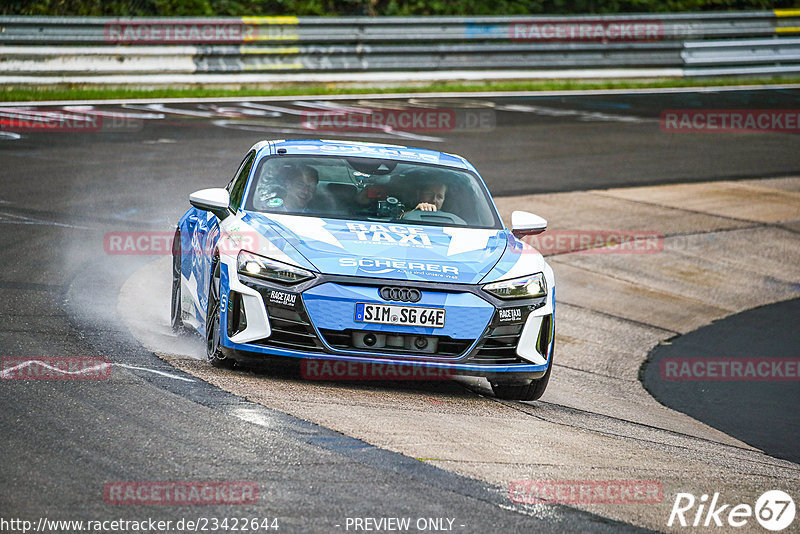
(399, 315)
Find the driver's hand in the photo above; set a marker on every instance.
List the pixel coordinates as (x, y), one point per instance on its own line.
(424, 206)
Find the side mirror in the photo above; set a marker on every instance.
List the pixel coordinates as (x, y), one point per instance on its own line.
(524, 223)
(215, 200)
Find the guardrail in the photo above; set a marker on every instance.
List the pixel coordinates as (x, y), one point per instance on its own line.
(100, 50)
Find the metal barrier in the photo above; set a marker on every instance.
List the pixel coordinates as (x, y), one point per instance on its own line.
(100, 50)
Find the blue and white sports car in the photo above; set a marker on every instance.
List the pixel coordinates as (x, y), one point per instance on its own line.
(360, 252)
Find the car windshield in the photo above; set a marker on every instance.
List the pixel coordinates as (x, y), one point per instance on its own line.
(370, 189)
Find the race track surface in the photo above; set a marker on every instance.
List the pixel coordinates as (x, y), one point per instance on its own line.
(760, 412)
(131, 168)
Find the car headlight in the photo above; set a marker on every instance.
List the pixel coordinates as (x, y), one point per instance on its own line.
(519, 288)
(250, 264)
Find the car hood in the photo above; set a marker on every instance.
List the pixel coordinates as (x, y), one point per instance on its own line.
(383, 250)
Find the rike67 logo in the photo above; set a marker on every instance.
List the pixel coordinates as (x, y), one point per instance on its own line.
(774, 510)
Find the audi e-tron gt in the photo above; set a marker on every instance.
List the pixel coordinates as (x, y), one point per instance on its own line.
(356, 252)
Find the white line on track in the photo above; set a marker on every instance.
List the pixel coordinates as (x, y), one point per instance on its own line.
(250, 415)
(386, 133)
(154, 371)
(9, 218)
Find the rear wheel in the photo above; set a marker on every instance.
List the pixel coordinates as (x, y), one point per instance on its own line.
(176, 318)
(525, 392)
(213, 353)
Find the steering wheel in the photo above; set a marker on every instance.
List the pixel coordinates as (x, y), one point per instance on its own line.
(433, 216)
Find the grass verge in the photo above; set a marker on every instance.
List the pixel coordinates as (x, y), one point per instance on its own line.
(30, 94)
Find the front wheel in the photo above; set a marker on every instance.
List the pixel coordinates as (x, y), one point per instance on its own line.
(524, 392)
(213, 353)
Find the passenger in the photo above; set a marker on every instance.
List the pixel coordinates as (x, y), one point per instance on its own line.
(301, 185)
(291, 191)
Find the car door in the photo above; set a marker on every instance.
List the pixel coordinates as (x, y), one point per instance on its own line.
(206, 231)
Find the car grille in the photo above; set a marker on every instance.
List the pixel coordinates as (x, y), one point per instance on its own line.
(499, 345)
(291, 330)
(447, 346)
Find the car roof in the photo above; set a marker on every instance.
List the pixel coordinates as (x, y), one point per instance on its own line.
(318, 147)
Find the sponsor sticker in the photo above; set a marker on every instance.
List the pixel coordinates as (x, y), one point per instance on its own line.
(399, 235)
(355, 150)
(511, 315)
(282, 298)
(386, 265)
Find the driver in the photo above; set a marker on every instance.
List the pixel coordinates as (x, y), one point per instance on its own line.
(430, 196)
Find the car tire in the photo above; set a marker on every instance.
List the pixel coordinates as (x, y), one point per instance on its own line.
(524, 392)
(213, 353)
(176, 317)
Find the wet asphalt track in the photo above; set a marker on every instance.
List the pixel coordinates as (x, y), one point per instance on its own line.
(62, 191)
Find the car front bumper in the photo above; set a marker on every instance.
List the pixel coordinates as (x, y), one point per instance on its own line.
(483, 336)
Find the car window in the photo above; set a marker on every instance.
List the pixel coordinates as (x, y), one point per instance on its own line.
(371, 189)
(239, 182)
(229, 187)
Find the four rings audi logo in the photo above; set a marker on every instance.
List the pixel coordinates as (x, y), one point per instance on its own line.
(400, 293)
